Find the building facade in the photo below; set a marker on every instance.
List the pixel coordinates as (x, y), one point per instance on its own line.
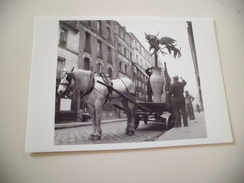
(101, 46)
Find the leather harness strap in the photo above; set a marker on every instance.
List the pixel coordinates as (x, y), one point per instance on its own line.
(133, 94)
(109, 84)
(89, 87)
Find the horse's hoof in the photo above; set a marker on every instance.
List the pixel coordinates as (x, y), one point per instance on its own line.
(96, 137)
(100, 132)
(131, 133)
(91, 137)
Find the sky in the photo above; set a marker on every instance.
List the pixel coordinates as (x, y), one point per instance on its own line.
(174, 28)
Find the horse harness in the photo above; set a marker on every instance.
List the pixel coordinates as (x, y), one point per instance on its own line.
(69, 79)
(91, 84)
(88, 89)
(109, 84)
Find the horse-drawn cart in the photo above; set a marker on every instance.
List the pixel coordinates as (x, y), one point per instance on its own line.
(122, 90)
(149, 111)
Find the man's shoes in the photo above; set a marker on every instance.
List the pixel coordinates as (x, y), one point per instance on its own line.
(186, 125)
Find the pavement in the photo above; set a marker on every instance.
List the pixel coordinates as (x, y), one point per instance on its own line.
(195, 129)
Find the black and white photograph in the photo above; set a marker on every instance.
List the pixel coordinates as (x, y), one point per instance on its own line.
(121, 83)
(115, 85)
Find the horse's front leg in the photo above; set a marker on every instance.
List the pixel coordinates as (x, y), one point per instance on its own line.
(98, 130)
(130, 128)
(92, 112)
(132, 108)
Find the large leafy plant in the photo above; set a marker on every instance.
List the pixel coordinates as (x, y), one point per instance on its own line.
(160, 45)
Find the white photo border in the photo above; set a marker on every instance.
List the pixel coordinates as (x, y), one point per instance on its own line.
(41, 108)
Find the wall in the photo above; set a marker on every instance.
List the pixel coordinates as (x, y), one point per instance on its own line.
(208, 163)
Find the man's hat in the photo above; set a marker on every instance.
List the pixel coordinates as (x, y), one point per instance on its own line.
(176, 77)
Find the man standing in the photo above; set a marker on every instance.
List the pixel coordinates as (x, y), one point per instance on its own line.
(149, 88)
(177, 90)
(189, 106)
(198, 108)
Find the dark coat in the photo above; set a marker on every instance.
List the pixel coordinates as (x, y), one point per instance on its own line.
(177, 89)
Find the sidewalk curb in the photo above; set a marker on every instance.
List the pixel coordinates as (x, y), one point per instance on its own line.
(72, 124)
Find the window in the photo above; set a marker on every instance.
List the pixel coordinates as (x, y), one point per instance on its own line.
(88, 43)
(130, 56)
(125, 52)
(119, 31)
(119, 48)
(120, 66)
(99, 26)
(60, 66)
(108, 33)
(63, 36)
(109, 55)
(87, 64)
(130, 42)
(110, 72)
(99, 68)
(126, 68)
(99, 49)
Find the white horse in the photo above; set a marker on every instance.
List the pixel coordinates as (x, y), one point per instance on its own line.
(96, 95)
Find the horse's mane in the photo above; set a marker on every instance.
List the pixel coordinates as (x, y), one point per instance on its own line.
(82, 78)
(82, 72)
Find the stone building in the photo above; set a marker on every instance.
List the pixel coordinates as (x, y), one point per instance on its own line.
(68, 56)
(141, 62)
(101, 46)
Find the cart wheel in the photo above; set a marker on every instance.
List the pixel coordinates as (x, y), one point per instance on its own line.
(145, 119)
(170, 122)
(137, 121)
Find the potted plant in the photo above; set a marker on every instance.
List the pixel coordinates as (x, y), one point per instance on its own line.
(160, 46)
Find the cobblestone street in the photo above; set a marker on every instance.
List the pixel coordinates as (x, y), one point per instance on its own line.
(112, 133)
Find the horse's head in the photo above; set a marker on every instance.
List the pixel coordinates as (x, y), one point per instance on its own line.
(66, 83)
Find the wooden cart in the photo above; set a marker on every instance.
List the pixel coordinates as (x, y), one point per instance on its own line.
(158, 112)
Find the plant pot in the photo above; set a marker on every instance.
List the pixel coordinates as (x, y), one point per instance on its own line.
(157, 83)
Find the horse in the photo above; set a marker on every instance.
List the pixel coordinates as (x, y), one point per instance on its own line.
(96, 95)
